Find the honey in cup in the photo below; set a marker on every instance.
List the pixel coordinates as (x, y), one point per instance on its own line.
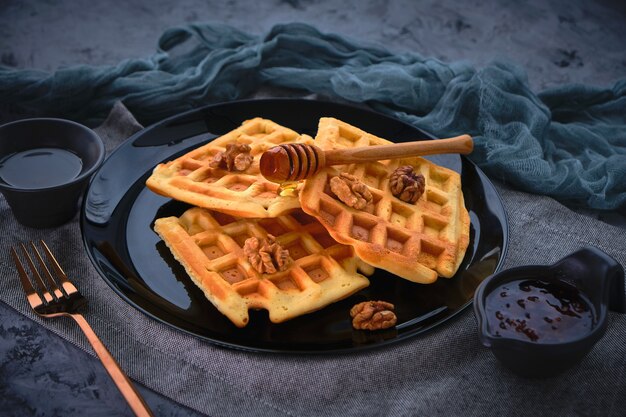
(45, 166)
(40, 168)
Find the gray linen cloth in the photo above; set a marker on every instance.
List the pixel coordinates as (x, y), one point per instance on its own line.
(444, 372)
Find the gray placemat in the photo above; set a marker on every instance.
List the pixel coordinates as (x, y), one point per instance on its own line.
(444, 372)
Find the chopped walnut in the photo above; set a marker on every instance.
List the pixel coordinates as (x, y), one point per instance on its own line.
(373, 315)
(236, 157)
(266, 255)
(351, 191)
(406, 184)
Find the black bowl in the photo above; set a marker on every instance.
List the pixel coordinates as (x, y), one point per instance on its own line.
(45, 166)
(591, 273)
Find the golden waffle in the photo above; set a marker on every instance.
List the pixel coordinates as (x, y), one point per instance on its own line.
(418, 242)
(210, 247)
(189, 178)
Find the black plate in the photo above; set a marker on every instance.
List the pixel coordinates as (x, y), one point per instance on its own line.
(118, 212)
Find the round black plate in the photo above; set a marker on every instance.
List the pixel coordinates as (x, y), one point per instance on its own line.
(118, 213)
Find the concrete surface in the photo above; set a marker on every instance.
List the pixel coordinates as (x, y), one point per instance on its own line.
(557, 41)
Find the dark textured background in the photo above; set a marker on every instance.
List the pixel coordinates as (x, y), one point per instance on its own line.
(557, 42)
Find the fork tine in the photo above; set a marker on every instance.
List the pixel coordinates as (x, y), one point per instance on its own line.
(47, 297)
(33, 296)
(66, 285)
(57, 294)
(57, 268)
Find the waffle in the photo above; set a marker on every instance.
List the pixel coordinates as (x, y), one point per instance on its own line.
(210, 247)
(418, 242)
(189, 178)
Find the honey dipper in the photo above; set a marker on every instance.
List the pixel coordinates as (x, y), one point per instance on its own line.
(297, 161)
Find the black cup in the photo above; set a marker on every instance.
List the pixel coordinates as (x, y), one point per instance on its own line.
(53, 205)
(593, 273)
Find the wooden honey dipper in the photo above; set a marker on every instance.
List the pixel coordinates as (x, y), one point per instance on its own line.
(297, 161)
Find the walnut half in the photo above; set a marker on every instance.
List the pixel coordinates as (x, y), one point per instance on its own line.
(351, 191)
(373, 315)
(266, 255)
(236, 157)
(406, 184)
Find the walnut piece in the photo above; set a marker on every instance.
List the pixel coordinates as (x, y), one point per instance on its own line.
(236, 157)
(406, 184)
(373, 315)
(266, 255)
(351, 191)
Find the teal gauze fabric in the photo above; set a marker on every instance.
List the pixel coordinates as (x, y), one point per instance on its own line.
(567, 142)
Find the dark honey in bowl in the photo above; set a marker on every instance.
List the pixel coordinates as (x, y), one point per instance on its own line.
(540, 320)
(539, 311)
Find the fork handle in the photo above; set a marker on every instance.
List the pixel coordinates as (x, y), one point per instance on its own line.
(126, 387)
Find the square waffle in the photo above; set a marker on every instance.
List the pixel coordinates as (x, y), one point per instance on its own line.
(189, 178)
(418, 242)
(210, 246)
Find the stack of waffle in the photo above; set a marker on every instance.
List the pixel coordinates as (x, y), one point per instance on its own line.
(329, 245)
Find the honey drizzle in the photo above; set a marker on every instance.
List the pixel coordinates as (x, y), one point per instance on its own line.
(288, 188)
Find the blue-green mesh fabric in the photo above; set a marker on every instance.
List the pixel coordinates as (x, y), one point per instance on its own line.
(567, 142)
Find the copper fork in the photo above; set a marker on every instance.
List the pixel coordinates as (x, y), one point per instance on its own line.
(59, 297)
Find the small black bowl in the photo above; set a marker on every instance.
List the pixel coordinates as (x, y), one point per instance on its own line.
(45, 166)
(590, 273)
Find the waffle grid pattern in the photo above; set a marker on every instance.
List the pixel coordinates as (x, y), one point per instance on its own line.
(210, 247)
